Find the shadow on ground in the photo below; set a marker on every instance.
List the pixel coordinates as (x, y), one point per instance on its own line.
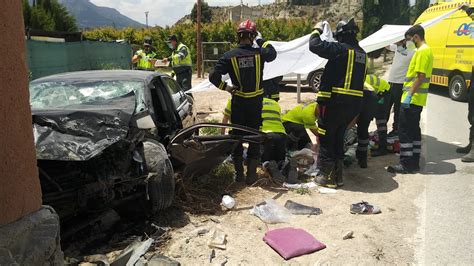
(374, 179)
(437, 155)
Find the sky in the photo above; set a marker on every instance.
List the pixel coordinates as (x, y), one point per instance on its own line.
(163, 12)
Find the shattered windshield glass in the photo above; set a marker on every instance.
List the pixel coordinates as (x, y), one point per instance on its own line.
(61, 94)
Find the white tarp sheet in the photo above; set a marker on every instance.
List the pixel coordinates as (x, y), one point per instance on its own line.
(295, 56)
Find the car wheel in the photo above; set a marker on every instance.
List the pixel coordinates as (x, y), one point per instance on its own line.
(315, 80)
(457, 88)
(161, 180)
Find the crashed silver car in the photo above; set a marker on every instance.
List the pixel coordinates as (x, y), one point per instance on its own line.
(105, 137)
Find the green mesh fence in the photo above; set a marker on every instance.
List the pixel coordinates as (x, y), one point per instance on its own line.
(47, 58)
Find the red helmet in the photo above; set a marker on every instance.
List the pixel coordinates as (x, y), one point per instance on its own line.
(247, 26)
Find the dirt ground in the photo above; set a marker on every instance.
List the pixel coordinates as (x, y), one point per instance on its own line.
(388, 237)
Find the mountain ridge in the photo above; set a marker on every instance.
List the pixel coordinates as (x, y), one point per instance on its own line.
(89, 15)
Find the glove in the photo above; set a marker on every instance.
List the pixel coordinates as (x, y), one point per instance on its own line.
(230, 89)
(407, 101)
(319, 27)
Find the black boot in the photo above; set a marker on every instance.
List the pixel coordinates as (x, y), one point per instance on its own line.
(339, 171)
(293, 172)
(252, 165)
(272, 168)
(362, 162)
(464, 150)
(239, 169)
(326, 175)
(469, 158)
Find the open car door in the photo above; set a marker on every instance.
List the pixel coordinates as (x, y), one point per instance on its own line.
(199, 154)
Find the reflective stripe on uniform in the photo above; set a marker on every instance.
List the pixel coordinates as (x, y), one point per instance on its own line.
(419, 90)
(348, 92)
(406, 145)
(249, 94)
(425, 80)
(417, 142)
(275, 96)
(257, 72)
(324, 94)
(271, 119)
(321, 131)
(265, 44)
(270, 112)
(406, 153)
(235, 66)
(350, 67)
(222, 85)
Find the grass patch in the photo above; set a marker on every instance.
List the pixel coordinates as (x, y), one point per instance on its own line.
(210, 131)
(303, 191)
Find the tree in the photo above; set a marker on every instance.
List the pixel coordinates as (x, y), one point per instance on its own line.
(418, 8)
(26, 12)
(379, 13)
(40, 19)
(48, 15)
(206, 13)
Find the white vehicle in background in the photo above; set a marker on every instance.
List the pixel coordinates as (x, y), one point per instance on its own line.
(311, 79)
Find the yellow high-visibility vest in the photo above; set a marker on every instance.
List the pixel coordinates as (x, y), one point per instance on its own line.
(422, 62)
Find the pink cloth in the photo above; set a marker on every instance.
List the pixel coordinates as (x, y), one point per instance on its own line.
(292, 242)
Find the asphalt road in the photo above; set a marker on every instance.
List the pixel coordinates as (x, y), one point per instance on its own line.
(446, 218)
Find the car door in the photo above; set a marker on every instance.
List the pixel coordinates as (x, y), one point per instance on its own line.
(183, 106)
(196, 154)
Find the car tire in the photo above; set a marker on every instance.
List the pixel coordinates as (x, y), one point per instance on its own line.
(315, 80)
(458, 88)
(160, 180)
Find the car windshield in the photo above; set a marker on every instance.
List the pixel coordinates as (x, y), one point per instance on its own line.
(62, 94)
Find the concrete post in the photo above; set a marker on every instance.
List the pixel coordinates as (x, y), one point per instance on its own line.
(29, 233)
(20, 192)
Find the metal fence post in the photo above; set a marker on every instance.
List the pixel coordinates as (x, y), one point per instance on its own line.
(298, 88)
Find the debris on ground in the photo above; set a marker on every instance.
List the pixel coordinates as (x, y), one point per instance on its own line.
(300, 209)
(364, 208)
(302, 185)
(218, 239)
(326, 190)
(132, 254)
(212, 255)
(228, 202)
(292, 242)
(270, 212)
(160, 260)
(348, 235)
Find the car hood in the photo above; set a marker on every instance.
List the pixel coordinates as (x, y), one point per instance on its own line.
(82, 131)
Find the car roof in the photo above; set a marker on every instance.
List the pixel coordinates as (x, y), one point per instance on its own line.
(102, 75)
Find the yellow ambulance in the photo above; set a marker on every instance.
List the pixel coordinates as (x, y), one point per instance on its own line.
(452, 42)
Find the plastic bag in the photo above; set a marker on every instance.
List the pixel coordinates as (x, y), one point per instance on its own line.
(271, 212)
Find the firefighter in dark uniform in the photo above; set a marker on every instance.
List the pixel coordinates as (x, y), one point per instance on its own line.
(339, 97)
(244, 65)
(375, 104)
(469, 150)
(271, 88)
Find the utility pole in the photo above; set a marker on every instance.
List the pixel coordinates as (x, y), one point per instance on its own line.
(199, 41)
(146, 16)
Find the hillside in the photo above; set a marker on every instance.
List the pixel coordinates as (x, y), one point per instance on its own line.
(89, 15)
(332, 12)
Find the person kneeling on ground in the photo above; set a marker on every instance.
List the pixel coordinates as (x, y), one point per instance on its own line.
(296, 121)
(274, 150)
